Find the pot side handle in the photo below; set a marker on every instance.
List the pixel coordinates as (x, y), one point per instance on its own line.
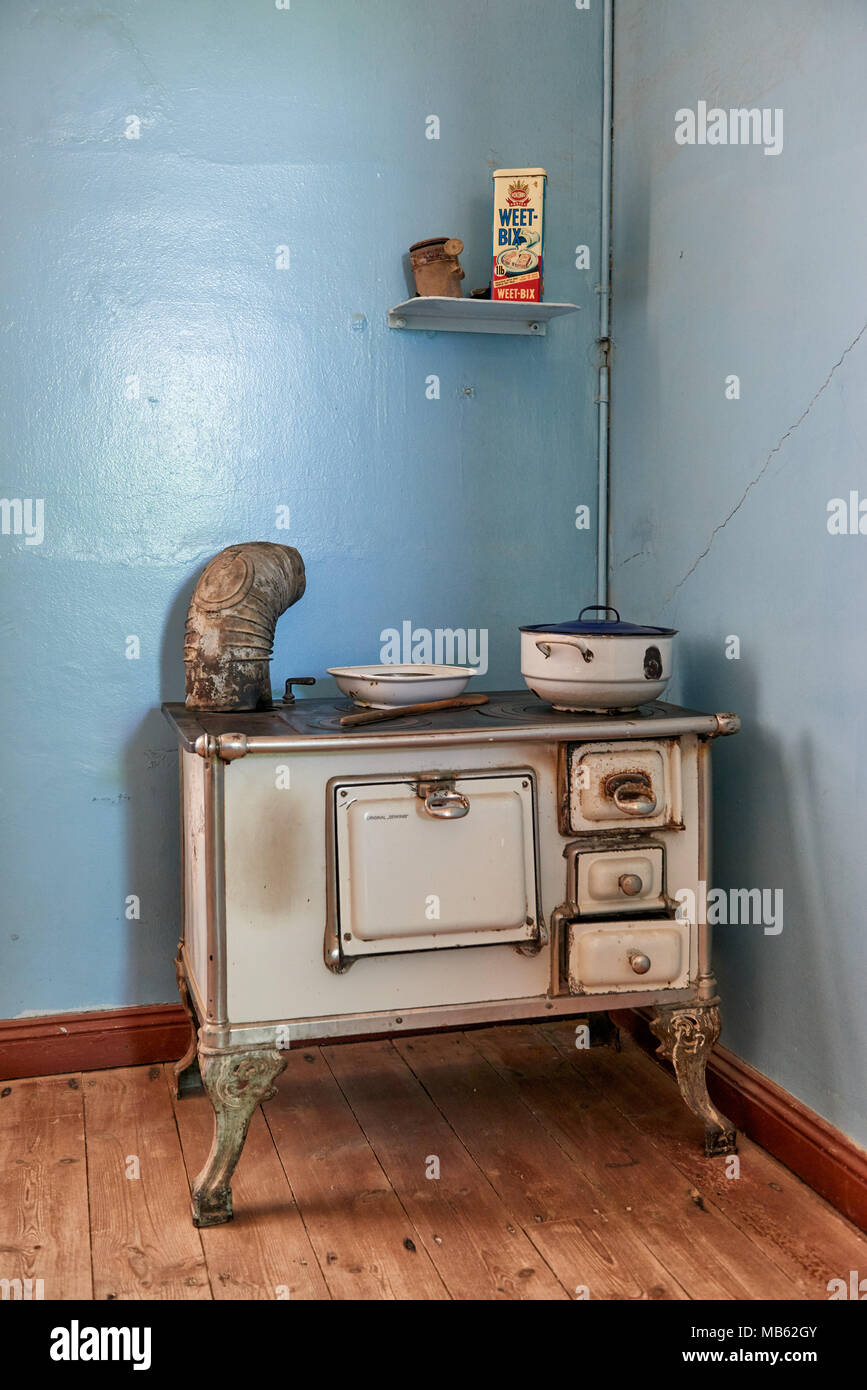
(545, 647)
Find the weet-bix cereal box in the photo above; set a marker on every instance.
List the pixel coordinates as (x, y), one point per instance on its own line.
(519, 209)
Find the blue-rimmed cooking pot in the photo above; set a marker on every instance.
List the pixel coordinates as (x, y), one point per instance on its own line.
(597, 663)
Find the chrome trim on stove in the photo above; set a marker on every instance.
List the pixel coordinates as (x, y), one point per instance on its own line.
(705, 978)
(183, 852)
(303, 1032)
(727, 724)
(561, 918)
(198, 1002)
(215, 879)
(226, 746)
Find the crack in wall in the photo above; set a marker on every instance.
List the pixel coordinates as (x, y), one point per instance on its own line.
(776, 449)
(621, 564)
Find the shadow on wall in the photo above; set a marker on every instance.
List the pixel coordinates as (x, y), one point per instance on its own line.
(153, 823)
(152, 832)
(757, 801)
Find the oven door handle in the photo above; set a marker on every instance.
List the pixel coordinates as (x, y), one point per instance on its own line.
(446, 804)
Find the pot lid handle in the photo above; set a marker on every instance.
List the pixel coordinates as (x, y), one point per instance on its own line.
(606, 608)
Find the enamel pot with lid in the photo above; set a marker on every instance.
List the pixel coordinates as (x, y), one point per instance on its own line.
(597, 663)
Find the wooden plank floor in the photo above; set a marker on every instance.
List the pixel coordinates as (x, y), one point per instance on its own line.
(495, 1164)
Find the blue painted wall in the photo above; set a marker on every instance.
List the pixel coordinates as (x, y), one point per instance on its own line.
(730, 261)
(154, 258)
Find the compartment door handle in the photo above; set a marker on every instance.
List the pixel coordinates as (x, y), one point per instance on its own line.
(633, 796)
(632, 799)
(446, 804)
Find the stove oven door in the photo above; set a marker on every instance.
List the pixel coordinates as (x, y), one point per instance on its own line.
(429, 863)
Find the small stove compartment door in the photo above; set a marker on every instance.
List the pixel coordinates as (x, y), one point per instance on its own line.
(620, 880)
(628, 956)
(625, 785)
(457, 869)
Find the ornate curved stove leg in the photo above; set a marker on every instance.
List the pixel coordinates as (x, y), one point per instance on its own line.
(686, 1035)
(236, 1082)
(186, 1071)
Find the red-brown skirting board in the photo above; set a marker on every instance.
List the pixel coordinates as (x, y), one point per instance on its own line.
(823, 1157)
(819, 1154)
(92, 1042)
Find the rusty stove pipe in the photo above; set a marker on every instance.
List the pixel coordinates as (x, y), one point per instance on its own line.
(231, 621)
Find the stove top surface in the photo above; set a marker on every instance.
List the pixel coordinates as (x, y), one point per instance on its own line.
(509, 707)
(507, 713)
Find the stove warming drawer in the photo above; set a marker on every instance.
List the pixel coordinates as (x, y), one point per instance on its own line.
(628, 956)
(613, 881)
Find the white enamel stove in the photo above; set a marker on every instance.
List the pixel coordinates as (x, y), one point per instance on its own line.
(499, 863)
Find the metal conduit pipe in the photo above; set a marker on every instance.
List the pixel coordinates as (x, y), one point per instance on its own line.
(604, 307)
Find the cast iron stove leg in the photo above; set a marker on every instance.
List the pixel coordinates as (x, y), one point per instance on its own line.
(686, 1035)
(186, 1071)
(236, 1082)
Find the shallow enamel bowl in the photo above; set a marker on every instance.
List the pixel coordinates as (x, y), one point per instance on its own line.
(385, 687)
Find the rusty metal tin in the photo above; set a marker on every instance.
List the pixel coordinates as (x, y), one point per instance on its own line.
(436, 268)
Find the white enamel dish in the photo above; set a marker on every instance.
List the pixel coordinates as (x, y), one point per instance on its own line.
(389, 687)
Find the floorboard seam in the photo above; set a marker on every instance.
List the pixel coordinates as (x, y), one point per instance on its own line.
(512, 1219)
(172, 1099)
(516, 1222)
(80, 1079)
(397, 1196)
(765, 1246)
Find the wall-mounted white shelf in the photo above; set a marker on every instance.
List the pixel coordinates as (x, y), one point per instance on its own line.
(445, 315)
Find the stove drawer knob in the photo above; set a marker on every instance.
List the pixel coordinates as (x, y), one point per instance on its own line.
(640, 963)
(630, 884)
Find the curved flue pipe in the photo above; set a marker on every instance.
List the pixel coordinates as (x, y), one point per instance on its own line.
(231, 621)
